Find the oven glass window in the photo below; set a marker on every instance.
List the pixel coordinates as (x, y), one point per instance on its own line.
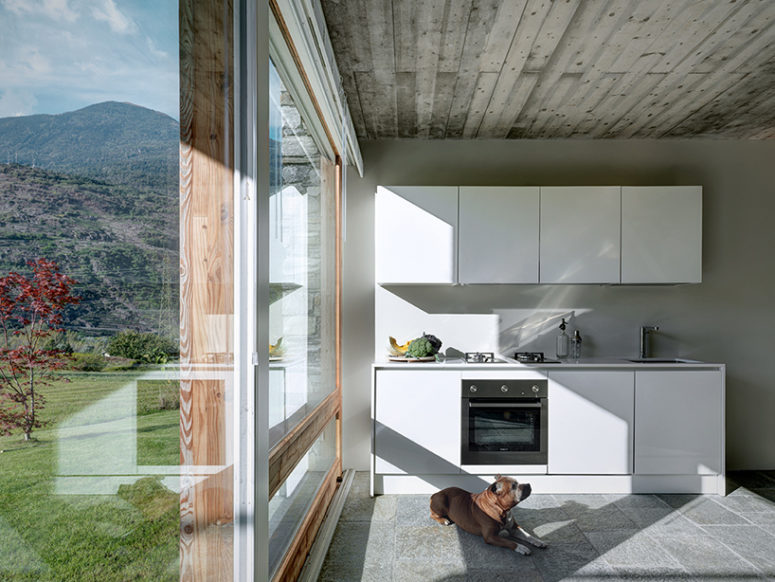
(504, 429)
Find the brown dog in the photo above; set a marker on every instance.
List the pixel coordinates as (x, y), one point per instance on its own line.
(486, 514)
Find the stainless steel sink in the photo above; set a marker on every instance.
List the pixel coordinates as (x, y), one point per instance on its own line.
(661, 361)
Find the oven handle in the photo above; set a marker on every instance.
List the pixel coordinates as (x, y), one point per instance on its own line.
(503, 405)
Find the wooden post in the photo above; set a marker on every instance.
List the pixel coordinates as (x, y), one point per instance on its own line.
(206, 287)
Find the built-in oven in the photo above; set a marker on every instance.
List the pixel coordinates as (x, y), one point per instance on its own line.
(504, 422)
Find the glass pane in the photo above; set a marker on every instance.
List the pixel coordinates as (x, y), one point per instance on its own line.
(124, 472)
(289, 506)
(302, 267)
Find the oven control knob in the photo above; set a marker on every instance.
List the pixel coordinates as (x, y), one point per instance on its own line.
(536, 389)
(504, 388)
(473, 388)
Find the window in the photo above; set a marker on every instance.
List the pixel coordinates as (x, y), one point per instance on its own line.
(301, 267)
(89, 166)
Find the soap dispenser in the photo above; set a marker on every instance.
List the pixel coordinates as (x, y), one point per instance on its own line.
(563, 342)
(575, 345)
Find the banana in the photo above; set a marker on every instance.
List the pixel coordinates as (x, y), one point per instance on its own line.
(396, 349)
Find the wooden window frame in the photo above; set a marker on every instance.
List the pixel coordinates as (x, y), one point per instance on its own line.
(287, 453)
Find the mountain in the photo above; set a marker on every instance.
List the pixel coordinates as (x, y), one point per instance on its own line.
(102, 201)
(117, 142)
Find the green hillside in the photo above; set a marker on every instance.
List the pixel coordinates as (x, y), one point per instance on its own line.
(117, 142)
(106, 210)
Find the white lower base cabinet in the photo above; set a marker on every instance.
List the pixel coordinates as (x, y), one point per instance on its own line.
(591, 422)
(679, 424)
(417, 422)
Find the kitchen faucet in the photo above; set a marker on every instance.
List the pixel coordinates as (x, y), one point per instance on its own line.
(644, 331)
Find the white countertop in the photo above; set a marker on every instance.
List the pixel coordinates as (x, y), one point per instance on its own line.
(511, 364)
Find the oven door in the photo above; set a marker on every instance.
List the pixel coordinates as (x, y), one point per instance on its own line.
(504, 431)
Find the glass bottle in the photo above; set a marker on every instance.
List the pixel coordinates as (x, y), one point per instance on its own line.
(563, 342)
(575, 345)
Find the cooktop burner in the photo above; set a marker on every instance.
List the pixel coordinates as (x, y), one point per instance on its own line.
(532, 357)
(480, 357)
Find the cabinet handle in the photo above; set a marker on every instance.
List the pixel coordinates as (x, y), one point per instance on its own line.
(504, 405)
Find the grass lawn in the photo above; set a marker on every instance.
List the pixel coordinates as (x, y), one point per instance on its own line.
(130, 533)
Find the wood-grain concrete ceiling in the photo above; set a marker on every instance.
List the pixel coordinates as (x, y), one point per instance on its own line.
(435, 69)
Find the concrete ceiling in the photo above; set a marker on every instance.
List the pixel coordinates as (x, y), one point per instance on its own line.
(556, 68)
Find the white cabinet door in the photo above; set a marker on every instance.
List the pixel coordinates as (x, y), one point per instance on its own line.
(661, 234)
(591, 422)
(416, 234)
(678, 422)
(580, 228)
(417, 422)
(498, 240)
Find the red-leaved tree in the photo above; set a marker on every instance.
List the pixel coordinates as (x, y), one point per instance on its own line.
(30, 311)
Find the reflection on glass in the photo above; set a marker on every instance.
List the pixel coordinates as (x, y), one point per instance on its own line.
(301, 315)
(89, 166)
(290, 505)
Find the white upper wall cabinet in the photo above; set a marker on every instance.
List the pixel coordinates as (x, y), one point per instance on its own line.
(416, 234)
(498, 236)
(580, 234)
(661, 234)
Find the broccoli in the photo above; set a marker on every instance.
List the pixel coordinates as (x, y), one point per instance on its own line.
(420, 348)
(435, 342)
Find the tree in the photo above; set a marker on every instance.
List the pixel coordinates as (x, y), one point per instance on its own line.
(30, 311)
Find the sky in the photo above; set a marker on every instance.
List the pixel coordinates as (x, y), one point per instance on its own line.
(62, 55)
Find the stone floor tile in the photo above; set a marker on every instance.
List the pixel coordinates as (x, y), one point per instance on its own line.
(560, 561)
(748, 542)
(644, 517)
(574, 504)
(704, 555)
(663, 537)
(709, 512)
(673, 523)
(531, 519)
(362, 543)
(680, 500)
(333, 572)
(413, 510)
(749, 503)
(760, 518)
(632, 549)
(606, 518)
(365, 508)
(480, 555)
(435, 544)
(638, 501)
(539, 501)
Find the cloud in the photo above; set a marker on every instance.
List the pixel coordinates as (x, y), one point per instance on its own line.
(58, 10)
(16, 102)
(118, 21)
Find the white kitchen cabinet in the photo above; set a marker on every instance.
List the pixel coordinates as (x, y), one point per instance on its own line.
(661, 234)
(580, 234)
(416, 234)
(591, 422)
(678, 422)
(417, 422)
(498, 234)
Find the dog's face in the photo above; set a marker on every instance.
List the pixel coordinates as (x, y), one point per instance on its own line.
(509, 492)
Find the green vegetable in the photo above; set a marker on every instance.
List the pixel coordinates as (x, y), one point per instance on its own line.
(435, 342)
(420, 348)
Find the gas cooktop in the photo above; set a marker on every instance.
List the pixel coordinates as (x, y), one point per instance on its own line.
(533, 358)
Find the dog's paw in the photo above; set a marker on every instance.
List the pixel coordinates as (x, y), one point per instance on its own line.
(447, 522)
(540, 544)
(524, 550)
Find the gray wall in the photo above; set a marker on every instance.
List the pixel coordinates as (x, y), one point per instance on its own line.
(728, 318)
